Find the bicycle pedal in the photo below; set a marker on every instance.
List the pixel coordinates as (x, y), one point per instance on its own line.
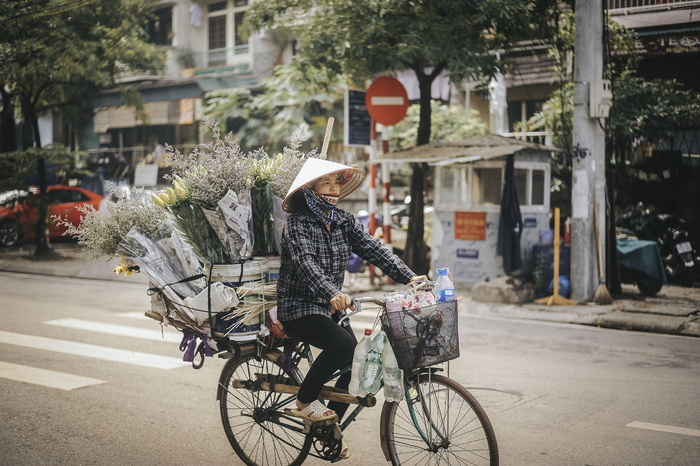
(336, 432)
(308, 424)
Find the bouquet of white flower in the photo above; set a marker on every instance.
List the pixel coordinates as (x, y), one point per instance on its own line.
(101, 232)
(216, 179)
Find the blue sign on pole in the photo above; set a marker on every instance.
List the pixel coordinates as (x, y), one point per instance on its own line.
(358, 123)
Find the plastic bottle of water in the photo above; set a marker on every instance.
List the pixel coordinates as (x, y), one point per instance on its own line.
(393, 376)
(372, 374)
(444, 288)
(358, 364)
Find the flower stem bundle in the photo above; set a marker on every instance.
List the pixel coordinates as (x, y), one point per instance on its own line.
(189, 220)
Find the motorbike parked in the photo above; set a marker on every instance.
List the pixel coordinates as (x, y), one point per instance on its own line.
(671, 235)
(639, 263)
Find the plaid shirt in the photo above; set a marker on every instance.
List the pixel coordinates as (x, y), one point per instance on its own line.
(314, 261)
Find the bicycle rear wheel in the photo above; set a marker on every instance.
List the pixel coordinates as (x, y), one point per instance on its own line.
(452, 427)
(254, 420)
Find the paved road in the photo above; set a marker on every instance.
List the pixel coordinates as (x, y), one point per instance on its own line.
(556, 393)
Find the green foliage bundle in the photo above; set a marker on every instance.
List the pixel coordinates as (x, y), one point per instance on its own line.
(294, 100)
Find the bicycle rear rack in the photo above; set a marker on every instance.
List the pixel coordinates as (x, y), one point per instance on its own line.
(263, 382)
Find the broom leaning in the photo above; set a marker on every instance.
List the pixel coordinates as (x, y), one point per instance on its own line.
(602, 295)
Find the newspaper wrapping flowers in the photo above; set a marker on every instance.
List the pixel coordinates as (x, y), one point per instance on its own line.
(232, 223)
(189, 220)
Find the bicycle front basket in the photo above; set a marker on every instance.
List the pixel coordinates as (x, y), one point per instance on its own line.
(423, 337)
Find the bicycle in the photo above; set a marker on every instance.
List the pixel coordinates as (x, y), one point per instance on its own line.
(438, 422)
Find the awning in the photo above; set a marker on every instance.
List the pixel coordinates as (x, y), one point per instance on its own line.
(159, 113)
(464, 151)
(174, 90)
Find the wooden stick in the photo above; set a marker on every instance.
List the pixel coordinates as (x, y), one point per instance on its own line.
(327, 137)
(327, 393)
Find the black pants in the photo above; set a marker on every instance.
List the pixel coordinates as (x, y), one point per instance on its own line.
(337, 344)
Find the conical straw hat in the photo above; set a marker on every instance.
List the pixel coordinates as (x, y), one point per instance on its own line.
(315, 169)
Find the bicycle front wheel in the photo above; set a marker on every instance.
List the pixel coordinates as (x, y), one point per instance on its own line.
(440, 423)
(254, 420)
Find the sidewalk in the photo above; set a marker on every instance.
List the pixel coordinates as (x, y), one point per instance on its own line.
(675, 310)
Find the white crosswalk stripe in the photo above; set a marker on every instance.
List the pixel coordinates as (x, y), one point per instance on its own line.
(363, 320)
(665, 428)
(121, 330)
(67, 381)
(134, 315)
(92, 351)
(44, 377)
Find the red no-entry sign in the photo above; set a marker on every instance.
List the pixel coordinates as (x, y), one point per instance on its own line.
(386, 100)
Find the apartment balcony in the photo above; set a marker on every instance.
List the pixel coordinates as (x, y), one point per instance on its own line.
(230, 60)
(536, 137)
(647, 5)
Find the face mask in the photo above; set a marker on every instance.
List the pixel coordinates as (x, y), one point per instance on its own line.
(322, 205)
(331, 199)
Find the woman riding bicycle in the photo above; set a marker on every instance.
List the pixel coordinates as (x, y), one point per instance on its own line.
(317, 241)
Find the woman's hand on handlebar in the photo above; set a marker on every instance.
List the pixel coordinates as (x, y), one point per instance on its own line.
(418, 282)
(342, 301)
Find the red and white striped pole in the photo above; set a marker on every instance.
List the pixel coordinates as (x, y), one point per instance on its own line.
(386, 181)
(372, 202)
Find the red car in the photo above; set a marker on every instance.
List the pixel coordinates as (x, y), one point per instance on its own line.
(18, 211)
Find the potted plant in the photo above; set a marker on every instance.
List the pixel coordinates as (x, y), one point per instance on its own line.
(187, 58)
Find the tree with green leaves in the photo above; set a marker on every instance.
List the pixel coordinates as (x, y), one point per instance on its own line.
(362, 39)
(641, 110)
(449, 123)
(286, 102)
(54, 53)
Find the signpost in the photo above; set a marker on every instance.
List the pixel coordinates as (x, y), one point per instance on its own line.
(386, 100)
(357, 120)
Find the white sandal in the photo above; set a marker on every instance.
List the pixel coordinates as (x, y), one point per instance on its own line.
(314, 412)
(344, 452)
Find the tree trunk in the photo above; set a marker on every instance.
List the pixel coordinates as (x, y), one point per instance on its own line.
(416, 252)
(43, 249)
(8, 135)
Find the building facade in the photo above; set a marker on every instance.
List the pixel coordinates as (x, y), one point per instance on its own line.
(205, 52)
(660, 174)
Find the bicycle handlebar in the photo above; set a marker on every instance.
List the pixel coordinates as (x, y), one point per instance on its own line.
(357, 304)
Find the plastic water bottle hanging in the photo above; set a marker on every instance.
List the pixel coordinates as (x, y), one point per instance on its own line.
(444, 288)
(372, 374)
(393, 376)
(358, 364)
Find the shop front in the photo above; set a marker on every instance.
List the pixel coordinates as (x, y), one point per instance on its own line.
(471, 178)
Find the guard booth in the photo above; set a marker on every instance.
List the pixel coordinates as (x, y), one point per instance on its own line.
(469, 183)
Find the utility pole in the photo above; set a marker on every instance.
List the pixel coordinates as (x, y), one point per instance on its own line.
(588, 174)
